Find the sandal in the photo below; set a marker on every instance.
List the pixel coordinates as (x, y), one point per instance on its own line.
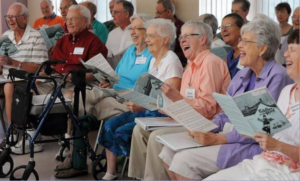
(63, 166)
(71, 173)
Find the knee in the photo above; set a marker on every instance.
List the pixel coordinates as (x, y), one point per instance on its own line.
(8, 89)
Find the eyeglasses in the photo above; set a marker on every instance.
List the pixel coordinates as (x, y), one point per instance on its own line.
(295, 17)
(134, 29)
(150, 36)
(117, 12)
(73, 19)
(45, 8)
(188, 36)
(281, 12)
(8, 17)
(244, 42)
(226, 26)
(157, 12)
(63, 8)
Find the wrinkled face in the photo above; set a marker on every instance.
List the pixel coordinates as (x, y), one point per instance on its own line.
(137, 32)
(249, 51)
(64, 8)
(292, 61)
(282, 15)
(119, 14)
(230, 32)
(14, 17)
(161, 12)
(295, 19)
(237, 8)
(47, 9)
(191, 43)
(76, 23)
(153, 40)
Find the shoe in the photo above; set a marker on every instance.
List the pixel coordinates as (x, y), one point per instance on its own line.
(64, 155)
(3, 143)
(18, 149)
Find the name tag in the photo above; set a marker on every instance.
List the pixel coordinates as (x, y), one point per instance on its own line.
(140, 60)
(78, 51)
(239, 66)
(294, 108)
(190, 93)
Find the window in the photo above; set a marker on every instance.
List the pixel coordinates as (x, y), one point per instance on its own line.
(103, 13)
(220, 8)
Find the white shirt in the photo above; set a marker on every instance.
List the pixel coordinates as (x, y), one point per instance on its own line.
(118, 41)
(217, 43)
(32, 47)
(169, 67)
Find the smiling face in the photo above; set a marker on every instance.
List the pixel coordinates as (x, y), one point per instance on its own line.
(250, 53)
(231, 34)
(47, 9)
(292, 61)
(137, 34)
(76, 23)
(14, 12)
(64, 8)
(154, 42)
(191, 46)
(295, 18)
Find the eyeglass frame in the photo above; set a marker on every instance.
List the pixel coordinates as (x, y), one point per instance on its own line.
(151, 36)
(73, 19)
(228, 25)
(294, 17)
(159, 13)
(244, 42)
(188, 36)
(134, 29)
(63, 8)
(7, 17)
(117, 12)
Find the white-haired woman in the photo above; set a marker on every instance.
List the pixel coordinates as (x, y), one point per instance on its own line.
(280, 159)
(259, 42)
(165, 65)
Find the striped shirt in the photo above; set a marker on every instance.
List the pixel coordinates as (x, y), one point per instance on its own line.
(32, 47)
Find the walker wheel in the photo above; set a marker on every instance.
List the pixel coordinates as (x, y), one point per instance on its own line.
(7, 166)
(17, 174)
(98, 168)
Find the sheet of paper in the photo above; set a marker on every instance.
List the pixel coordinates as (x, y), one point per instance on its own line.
(232, 111)
(140, 99)
(43, 99)
(152, 123)
(7, 48)
(183, 113)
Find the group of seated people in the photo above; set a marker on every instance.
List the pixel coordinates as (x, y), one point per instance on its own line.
(250, 64)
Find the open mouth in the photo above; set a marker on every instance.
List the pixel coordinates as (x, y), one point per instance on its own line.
(186, 48)
(289, 63)
(242, 54)
(225, 35)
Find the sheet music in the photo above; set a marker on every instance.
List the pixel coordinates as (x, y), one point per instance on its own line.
(183, 113)
(100, 63)
(140, 99)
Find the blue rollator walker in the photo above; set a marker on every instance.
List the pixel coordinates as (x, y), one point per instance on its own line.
(27, 117)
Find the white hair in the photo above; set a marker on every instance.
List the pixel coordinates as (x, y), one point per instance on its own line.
(201, 28)
(84, 11)
(48, 1)
(144, 17)
(23, 11)
(165, 27)
(266, 32)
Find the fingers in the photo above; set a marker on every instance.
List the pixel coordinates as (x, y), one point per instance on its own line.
(166, 88)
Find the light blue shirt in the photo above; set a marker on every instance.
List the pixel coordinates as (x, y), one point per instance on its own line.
(131, 66)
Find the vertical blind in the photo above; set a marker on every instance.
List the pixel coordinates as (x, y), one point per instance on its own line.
(220, 8)
(103, 13)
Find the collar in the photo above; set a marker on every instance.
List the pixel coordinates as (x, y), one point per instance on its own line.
(51, 17)
(199, 59)
(79, 35)
(25, 37)
(263, 74)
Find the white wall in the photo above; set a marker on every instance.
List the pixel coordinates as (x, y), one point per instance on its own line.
(34, 10)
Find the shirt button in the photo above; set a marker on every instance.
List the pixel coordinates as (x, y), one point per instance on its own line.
(62, 69)
(70, 53)
(66, 61)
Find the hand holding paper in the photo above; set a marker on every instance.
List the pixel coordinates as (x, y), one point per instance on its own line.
(267, 142)
(171, 93)
(209, 138)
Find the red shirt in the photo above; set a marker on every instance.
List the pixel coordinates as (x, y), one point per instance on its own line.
(86, 45)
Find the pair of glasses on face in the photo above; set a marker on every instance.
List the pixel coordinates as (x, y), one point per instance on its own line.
(117, 12)
(72, 20)
(159, 13)
(135, 29)
(244, 42)
(151, 36)
(188, 36)
(226, 26)
(295, 17)
(9, 17)
(63, 8)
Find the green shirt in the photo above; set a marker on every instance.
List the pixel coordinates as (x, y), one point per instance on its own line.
(100, 30)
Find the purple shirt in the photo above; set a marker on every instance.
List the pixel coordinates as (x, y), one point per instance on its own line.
(274, 77)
